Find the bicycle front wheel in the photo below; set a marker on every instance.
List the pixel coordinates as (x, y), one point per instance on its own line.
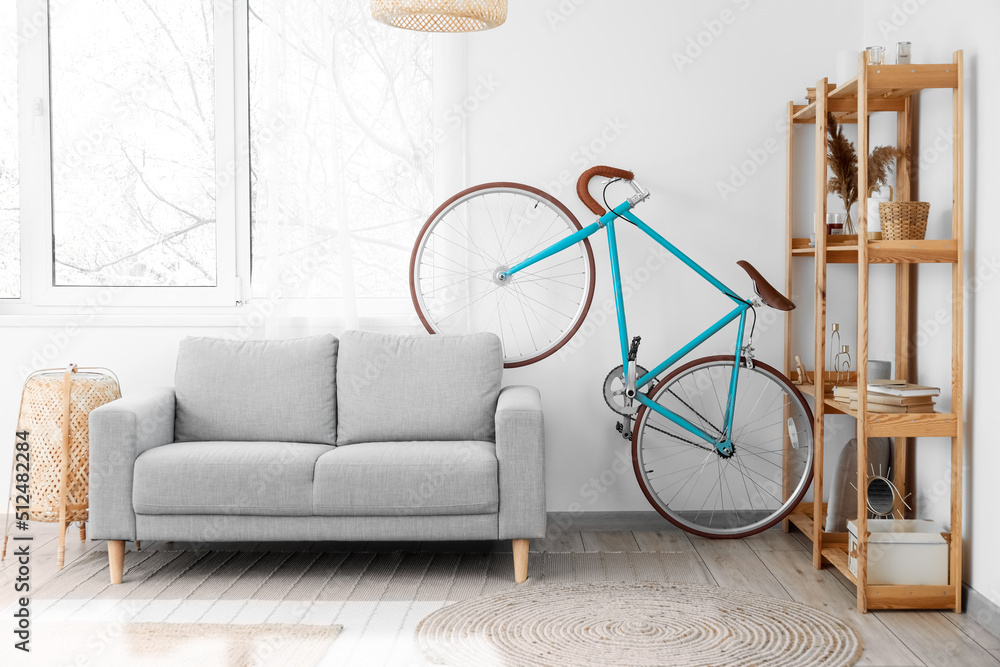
(698, 489)
(477, 235)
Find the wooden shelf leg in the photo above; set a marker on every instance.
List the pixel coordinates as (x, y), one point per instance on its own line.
(819, 517)
(957, 332)
(862, 357)
(786, 483)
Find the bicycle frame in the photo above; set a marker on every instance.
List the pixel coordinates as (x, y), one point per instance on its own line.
(607, 221)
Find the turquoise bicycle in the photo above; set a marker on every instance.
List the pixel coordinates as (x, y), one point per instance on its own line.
(722, 446)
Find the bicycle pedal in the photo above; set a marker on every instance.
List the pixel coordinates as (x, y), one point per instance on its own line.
(633, 351)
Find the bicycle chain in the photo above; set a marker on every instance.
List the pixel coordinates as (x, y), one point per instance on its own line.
(677, 437)
(700, 416)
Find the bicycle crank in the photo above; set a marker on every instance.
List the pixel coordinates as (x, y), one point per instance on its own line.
(614, 391)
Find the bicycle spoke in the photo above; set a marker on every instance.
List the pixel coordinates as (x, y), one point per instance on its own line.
(538, 316)
(438, 271)
(448, 286)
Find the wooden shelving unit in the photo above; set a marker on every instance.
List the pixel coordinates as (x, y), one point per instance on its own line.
(879, 88)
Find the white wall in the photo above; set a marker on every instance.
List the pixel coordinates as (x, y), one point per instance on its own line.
(571, 83)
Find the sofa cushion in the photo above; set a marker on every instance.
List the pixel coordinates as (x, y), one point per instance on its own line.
(256, 478)
(277, 390)
(393, 388)
(407, 478)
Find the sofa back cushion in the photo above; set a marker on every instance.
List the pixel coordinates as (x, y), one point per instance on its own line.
(396, 388)
(273, 390)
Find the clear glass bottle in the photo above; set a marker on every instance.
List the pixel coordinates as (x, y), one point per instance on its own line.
(902, 53)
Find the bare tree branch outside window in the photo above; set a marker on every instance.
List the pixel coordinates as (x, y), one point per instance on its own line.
(133, 143)
(341, 148)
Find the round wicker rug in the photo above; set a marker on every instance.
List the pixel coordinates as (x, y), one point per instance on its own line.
(635, 624)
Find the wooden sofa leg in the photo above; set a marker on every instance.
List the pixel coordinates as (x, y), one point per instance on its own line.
(116, 559)
(520, 561)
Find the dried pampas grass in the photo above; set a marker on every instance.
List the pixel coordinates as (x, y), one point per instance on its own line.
(843, 161)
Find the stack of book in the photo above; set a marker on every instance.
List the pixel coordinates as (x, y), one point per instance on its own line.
(890, 396)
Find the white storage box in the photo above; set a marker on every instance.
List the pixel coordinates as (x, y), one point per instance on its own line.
(901, 551)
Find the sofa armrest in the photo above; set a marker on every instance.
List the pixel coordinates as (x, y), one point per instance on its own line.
(119, 432)
(521, 457)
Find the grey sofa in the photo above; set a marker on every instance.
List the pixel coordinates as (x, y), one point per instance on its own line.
(370, 437)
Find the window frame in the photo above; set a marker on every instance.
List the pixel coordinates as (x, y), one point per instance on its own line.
(38, 286)
(231, 294)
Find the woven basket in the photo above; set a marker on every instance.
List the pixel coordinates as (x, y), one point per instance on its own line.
(43, 406)
(903, 220)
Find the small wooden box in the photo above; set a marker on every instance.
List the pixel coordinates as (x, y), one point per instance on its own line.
(901, 551)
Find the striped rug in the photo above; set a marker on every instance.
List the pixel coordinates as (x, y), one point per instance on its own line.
(378, 598)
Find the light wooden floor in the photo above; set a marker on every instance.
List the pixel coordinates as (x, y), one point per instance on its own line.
(772, 563)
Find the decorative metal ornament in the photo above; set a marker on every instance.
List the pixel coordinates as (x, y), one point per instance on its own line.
(441, 15)
(884, 499)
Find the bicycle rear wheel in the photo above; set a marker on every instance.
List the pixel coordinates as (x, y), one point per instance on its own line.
(698, 489)
(478, 234)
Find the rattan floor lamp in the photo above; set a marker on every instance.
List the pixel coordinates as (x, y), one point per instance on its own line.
(55, 407)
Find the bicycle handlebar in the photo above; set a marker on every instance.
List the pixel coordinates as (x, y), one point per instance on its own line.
(583, 184)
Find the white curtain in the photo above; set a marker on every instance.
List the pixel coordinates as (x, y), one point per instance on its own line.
(341, 163)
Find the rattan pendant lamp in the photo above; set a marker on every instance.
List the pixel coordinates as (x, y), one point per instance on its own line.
(441, 15)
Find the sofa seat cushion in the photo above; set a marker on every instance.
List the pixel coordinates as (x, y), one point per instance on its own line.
(264, 390)
(255, 478)
(399, 388)
(407, 478)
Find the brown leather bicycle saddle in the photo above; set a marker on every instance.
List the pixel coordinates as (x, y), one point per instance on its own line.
(765, 291)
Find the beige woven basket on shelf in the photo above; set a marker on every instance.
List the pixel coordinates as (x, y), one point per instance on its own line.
(903, 220)
(43, 407)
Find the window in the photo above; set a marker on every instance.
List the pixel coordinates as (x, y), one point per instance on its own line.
(10, 226)
(341, 126)
(133, 143)
(174, 151)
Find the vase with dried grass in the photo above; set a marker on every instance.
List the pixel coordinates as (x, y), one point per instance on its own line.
(843, 161)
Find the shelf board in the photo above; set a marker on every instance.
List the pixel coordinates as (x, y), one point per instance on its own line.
(803, 522)
(893, 597)
(844, 250)
(911, 597)
(837, 556)
(831, 405)
(841, 249)
(880, 424)
(913, 252)
(900, 81)
(846, 90)
(929, 425)
(802, 518)
(844, 110)
(888, 88)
